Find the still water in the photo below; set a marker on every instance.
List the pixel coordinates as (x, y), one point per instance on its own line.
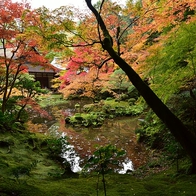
(84, 141)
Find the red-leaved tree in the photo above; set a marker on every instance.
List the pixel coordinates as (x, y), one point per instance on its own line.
(18, 47)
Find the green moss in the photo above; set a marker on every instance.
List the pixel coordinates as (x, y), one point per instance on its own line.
(116, 185)
(114, 103)
(95, 114)
(23, 156)
(27, 170)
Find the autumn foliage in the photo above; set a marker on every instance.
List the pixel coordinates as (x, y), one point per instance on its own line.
(86, 75)
(155, 37)
(139, 31)
(18, 49)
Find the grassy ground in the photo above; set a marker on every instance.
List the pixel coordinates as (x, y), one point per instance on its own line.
(163, 184)
(27, 170)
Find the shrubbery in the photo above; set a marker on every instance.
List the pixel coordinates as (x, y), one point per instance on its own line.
(95, 114)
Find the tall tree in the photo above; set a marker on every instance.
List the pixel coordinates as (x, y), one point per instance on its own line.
(18, 48)
(177, 128)
(59, 32)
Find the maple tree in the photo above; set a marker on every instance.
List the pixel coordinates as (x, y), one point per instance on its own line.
(84, 75)
(58, 31)
(152, 23)
(91, 62)
(18, 47)
(177, 128)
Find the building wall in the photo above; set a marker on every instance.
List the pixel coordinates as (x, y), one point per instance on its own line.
(44, 78)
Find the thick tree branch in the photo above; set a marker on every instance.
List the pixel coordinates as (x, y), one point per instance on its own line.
(107, 38)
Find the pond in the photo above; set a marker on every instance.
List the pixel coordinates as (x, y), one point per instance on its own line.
(83, 141)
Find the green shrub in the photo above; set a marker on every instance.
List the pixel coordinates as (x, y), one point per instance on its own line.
(55, 145)
(7, 122)
(131, 101)
(90, 119)
(109, 98)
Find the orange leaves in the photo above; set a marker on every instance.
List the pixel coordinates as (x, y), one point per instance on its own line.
(32, 43)
(9, 11)
(154, 19)
(157, 15)
(34, 58)
(84, 76)
(6, 17)
(86, 85)
(18, 45)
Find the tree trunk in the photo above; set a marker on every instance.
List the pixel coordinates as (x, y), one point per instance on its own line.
(177, 128)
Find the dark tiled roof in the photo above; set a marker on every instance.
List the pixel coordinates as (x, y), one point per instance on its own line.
(41, 69)
(52, 67)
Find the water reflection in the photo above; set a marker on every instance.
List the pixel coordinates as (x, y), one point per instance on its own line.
(119, 132)
(68, 151)
(83, 142)
(70, 156)
(127, 166)
(74, 160)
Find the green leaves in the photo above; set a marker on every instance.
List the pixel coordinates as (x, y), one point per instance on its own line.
(28, 86)
(119, 80)
(174, 63)
(91, 119)
(105, 157)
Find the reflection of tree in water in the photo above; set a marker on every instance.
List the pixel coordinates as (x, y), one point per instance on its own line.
(119, 132)
(116, 132)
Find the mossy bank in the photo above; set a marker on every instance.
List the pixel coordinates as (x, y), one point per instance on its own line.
(29, 167)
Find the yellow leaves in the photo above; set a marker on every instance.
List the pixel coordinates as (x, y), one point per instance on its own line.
(56, 83)
(15, 92)
(37, 128)
(137, 47)
(148, 3)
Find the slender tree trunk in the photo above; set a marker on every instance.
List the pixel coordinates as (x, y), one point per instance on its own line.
(103, 180)
(20, 112)
(5, 93)
(177, 128)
